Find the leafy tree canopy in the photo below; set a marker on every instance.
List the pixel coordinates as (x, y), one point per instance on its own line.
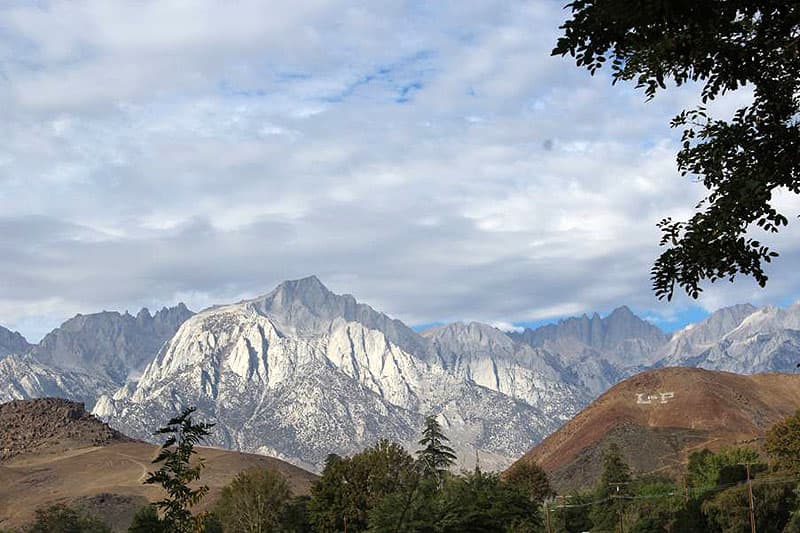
(256, 501)
(707, 469)
(722, 45)
(479, 502)
(62, 519)
(350, 487)
(531, 479)
(783, 444)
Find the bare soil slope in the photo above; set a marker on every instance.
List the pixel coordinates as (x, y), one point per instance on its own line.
(658, 417)
(68, 456)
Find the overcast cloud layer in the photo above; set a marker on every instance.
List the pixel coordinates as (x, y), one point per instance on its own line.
(430, 158)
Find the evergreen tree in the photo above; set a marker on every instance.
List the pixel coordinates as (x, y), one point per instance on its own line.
(254, 502)
(436, 457)
(612, 487)
(177, 473)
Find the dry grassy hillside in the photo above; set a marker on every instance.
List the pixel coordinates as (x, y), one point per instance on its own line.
(55, 452)
(659, 416)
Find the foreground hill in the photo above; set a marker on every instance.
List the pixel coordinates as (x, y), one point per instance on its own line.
(53, 451)
(658, 417)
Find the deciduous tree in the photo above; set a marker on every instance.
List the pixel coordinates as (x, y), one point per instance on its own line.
(743, 160)
(177, 472)
(254, 502)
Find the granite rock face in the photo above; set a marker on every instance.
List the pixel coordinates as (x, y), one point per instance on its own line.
(113, 345)
(23, 378)
(741, 339)
(12, 342)
(302, 372)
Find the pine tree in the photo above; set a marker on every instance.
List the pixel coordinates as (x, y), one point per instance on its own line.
(176, 472)
(612, 486)
(436, 456)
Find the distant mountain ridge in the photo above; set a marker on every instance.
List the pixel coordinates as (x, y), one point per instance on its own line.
(618, 336)
(88, 355)
(111, 344)
(301, 372)
(12, 342)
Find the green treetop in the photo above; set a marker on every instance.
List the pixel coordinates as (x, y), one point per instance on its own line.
(436, 456)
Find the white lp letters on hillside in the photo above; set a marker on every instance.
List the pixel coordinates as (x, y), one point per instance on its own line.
(661, 397)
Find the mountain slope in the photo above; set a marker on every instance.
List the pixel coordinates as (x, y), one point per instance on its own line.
(740, 339)
(22, 378)
(12, 342)
(490, 358)
(596, 352)
(658, 416)
(302, 372)
(622, 338)
(109, 344)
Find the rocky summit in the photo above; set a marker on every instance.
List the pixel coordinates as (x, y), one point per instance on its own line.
(48, 424)
(88, 355)
(12, 342)
(303, 372)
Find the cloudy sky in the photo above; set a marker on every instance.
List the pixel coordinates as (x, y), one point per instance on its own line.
(430, 158)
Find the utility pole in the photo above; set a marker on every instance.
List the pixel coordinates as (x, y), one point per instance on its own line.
(750, 497)
(547, 518)
(685, 489)
(619, 505)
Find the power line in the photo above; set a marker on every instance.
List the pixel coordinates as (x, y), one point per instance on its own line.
(676, 493)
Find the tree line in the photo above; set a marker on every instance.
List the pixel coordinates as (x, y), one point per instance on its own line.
(385, 488)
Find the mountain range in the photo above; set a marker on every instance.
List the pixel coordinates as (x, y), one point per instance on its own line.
(302, 372)
(88, 355)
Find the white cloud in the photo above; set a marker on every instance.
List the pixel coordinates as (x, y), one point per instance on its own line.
(433, 160)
